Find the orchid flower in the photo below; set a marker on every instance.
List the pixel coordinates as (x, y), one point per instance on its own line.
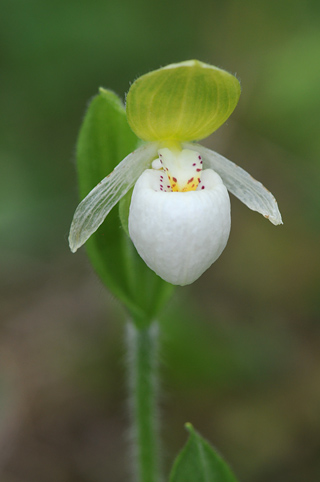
(179, 218)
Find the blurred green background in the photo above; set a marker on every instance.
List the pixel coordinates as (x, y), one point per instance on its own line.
(240, 349)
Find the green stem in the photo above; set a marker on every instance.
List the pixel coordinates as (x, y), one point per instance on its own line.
(142, 350)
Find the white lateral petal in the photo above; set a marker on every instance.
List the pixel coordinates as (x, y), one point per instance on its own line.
(251, 192)
(94, 208)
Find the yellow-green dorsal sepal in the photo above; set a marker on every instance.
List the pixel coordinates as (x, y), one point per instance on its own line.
(182, 102)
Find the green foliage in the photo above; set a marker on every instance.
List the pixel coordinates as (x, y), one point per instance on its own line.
(181, 102)
(124, 206)
(198, 462)
(105, 139)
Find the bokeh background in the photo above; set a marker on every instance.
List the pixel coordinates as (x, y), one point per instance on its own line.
(240, 349)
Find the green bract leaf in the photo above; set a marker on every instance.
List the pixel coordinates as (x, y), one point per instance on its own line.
(198, 462)
(181, 102)
(105, 139)
(124, 208)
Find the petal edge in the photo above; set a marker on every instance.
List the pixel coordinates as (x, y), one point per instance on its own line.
(241, 184)
(94, 208)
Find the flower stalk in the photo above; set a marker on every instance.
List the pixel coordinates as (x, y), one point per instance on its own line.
(142, 347)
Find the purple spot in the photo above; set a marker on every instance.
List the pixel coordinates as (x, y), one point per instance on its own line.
(202, 187)
(194, 164)
(198, 170)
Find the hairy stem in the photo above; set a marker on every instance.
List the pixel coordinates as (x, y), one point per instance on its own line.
(143, 386)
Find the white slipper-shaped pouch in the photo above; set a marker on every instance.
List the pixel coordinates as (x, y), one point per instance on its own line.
(179, 233)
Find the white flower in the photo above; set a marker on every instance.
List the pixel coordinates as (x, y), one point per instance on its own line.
(179, 217)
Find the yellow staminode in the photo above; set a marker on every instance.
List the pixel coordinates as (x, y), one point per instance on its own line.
(181, 102)
(183, 168)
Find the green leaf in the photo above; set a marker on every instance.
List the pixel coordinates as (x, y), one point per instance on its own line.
(104, 140)
(198, 462)
(124, 207)
(181, 102)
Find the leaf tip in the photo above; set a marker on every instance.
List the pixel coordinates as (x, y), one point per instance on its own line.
(189, 427)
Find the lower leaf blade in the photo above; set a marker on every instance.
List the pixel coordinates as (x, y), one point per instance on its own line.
(198, 462)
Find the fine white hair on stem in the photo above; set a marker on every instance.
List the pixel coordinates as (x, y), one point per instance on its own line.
(143, 386)
(240, 183)
(94, 208)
